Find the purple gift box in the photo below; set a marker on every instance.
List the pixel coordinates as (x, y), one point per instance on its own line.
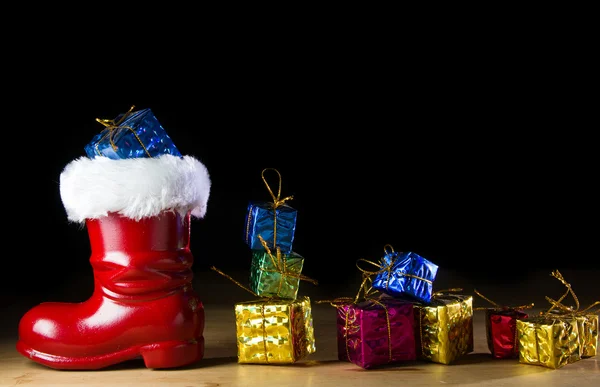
(376, 332)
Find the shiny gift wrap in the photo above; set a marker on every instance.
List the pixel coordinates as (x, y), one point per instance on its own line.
(269, 278)
(587, 326)
(274, 331)
(275, 225)
(586, 319)
(365, 338)
(548, 341)
(406, 274)
(131, 135)
(587, 329)
(501, 332)
(444, 328)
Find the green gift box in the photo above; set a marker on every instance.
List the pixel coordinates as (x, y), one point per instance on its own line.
(275, 277)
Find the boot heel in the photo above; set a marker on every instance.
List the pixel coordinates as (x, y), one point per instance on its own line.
(171, 354)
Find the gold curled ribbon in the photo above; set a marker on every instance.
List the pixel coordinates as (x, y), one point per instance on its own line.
(555, 304)
(111, 127)
(567, 309)
(365, 288)
(387, 268)
(500, 307)
(446, 291)
(277, 200)
(367, 291)
(280, 264)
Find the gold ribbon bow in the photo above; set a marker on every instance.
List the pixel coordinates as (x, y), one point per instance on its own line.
(277, 200)
(366, 290)
(111, 127)
(568, 309)
(280, 264)
(383, 267)
(500, 307)
(364, 293)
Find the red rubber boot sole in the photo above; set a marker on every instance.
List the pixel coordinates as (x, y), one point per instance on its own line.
(169, 354)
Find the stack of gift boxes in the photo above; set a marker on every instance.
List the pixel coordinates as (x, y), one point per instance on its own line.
(277, 327)
(397, 317)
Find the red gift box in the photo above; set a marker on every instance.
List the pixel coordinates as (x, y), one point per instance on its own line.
(501, 328)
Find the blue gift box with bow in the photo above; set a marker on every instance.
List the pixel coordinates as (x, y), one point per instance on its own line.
(276, 225)
(135, 134)
(273, 222)
(406, 274)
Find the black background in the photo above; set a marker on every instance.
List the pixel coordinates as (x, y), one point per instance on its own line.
(478, 153)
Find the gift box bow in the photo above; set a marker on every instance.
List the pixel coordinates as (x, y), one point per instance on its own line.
(558, 308)
(114, 126)
(280, 264)
(278, 201)
(261, 298)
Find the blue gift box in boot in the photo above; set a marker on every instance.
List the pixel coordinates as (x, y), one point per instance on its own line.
(276, 225)
(405, 274)
(135, 134)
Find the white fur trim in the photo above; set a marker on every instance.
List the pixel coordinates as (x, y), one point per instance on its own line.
(135, 188)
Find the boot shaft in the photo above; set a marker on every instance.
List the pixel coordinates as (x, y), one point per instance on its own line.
(147, 258)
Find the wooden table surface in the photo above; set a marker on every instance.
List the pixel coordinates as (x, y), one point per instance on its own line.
(219, 366)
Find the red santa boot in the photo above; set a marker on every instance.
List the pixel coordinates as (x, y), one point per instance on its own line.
(137, 213)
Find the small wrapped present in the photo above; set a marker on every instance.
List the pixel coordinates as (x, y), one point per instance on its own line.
(587, 318)
(501, 328)
(274, 221)
(587, 325)
(131, 135)
(374, 331)
(405, 274)
(274, 331)
(444, 327)
(276, 275)
(551, 339)
(548, 341)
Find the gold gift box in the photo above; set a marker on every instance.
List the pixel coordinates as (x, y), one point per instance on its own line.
(587, 326)
(444, 329)
(274, 331)
(548, 341)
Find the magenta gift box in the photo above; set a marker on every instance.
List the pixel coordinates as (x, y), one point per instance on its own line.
(376, 332)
